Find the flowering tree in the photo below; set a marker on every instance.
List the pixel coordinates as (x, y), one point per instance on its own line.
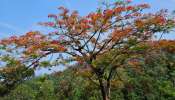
(85, 39)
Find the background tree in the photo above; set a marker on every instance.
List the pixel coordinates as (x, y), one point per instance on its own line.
(85, 39)
(12, 74)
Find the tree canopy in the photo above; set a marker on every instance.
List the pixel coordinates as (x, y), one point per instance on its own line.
(114, 37)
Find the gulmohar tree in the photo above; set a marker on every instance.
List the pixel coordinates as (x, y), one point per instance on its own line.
(150, 77)
(85, 40)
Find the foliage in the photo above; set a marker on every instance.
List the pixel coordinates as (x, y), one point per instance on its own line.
(151, 80)
(12, 74)
(114, 38)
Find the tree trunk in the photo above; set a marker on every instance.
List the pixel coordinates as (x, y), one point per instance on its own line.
(125, 94)
(105, 90)
(109, 88)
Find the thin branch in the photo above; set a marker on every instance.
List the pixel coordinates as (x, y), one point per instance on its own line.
(103, 46)
(96, 41)
(89, 39)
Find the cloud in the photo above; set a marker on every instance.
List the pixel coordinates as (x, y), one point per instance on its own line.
(10, 27)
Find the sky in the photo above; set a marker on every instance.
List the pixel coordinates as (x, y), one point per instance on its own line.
(20, 16)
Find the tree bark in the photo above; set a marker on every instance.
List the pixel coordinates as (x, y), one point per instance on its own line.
(125, 94)
(109, 88)
(105, 90)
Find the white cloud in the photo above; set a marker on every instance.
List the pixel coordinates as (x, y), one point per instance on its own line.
(173, 1)
(10, 27)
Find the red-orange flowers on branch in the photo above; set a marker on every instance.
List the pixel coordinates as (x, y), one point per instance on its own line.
(82, 39)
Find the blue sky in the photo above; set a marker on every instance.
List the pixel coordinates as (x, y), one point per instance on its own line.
(19, 16)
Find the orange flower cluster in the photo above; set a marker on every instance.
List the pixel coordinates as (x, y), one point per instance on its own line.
(150, 19)
(160, 20)
(120, 34)
(93, 21)
(119, 9)
(139, 23)
(33, 42)
(94, 17)
(143, 6)
(167, 45)
(24, 40)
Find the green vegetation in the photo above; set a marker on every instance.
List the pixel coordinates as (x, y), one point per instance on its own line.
(108, 54)
(155, 81)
